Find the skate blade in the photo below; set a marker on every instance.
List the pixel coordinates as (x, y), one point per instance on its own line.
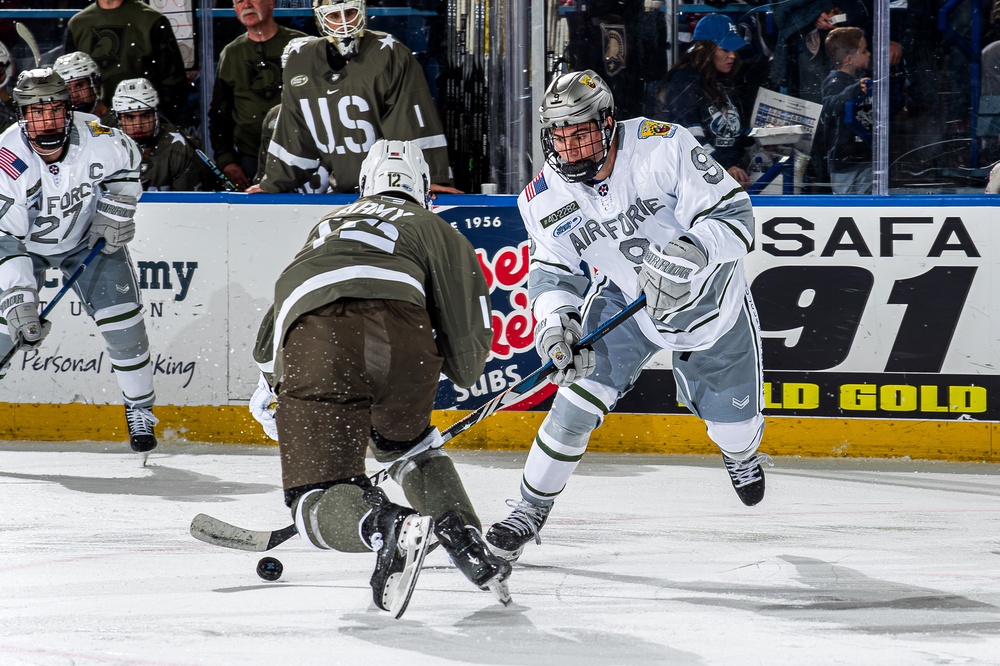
(500, 590)
(143, 458)
(413, 537)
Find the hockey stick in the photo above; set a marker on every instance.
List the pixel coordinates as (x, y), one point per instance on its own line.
(62, 292)
(29, 39)
(220, 533)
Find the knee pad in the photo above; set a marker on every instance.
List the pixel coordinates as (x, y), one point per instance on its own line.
(329, 519)
(392, 454)
(739, 440)
(432, 485)
(568, 426)
(124, 330)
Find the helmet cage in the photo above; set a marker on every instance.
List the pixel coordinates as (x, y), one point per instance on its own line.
(573, 99)
(42, 86)
(343, 36)
(134, 96)
(78, 66)
(396, 166)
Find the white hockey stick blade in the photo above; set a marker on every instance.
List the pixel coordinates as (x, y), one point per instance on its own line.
(29, 39)
(220, 533)
(415, 538)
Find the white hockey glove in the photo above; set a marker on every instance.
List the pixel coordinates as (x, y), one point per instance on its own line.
(114, 221)
(665, 277)
(554, 339)
(262, 406)
(19, 306)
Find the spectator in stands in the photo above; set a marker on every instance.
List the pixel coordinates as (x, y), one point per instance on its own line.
(352, 88)
(8, 113)
(129, 39)
(845, 125)
(247, 85)
(83, 77)
(699, 93)
(169, 160)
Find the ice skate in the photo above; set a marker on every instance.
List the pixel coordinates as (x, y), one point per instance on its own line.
(509, 537)
(140, 430)
(399, 536)
(748, 476)
(472, 556)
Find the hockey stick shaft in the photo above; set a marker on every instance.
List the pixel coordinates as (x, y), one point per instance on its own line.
(230, 186)
(533, 381)
(220, 533)
(29, 39)
(62, 292)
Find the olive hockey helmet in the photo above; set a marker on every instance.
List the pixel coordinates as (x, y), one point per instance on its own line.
(137, 96)
(79, 67)
(574, 99)
(343, 21)
(396, 166)
(42, 85)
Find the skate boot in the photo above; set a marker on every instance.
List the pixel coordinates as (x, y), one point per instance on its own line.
(471, 555)
(748, 476)
(140, 428)
(399, 537)
(510, 535)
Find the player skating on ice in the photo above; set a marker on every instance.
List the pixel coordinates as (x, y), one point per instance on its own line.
(66, 182)
(643, 204)
(383, 297)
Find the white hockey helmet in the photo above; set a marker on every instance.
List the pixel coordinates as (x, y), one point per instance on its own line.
(5, 65)
(343, 21)
(42, 85)
(76, 66)
(396, 166)
(137, 96)
(572, 99)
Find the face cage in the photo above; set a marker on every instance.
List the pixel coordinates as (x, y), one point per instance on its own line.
(346, 30)
(95, 89)
(146, 131)
(47, 142)
(581, 170)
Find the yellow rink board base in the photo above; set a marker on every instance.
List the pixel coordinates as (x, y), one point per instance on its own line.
(621, 433)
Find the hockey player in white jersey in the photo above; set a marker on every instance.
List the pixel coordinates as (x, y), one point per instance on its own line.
(66, 182)
(643, 204)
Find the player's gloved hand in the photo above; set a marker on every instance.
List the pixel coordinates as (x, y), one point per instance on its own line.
(262, 406)
(114, 221)
(554, 339)
(19, 306)
(665, 277)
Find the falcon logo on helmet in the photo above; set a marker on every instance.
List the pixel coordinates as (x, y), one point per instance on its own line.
(396, 166)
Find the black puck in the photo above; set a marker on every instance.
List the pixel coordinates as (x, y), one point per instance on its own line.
(269, 568)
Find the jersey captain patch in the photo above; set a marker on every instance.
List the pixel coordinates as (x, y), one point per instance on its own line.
(650, 128)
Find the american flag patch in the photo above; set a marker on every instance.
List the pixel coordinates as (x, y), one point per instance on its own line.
(536, 187)
(11, 164)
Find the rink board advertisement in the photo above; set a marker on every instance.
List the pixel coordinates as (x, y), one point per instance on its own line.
(867, 311)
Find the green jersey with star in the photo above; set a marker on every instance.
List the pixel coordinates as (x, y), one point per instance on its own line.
(330, 118)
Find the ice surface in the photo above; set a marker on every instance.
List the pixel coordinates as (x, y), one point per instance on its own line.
(645, 560)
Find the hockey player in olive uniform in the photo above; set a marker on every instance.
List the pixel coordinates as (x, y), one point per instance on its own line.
(643, 204)
(130, 41)
(169, 161)
(66, 182)
(7, 115)
(383, 297)
(340, 95)
(247, 84)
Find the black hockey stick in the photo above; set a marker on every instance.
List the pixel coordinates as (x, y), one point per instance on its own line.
(62, 292)
(220, 533)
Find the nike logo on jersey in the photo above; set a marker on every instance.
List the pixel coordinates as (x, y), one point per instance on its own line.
(332, 92)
